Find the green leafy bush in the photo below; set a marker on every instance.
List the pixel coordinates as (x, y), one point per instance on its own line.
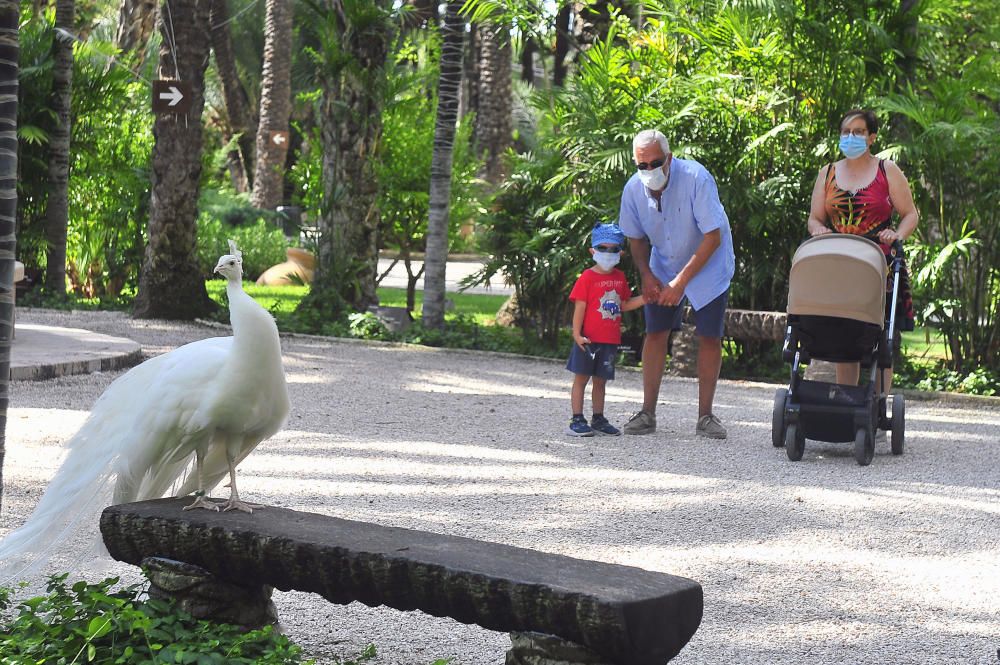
(95, 623)
(262, 243)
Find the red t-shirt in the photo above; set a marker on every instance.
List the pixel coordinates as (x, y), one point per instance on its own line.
(604, 295)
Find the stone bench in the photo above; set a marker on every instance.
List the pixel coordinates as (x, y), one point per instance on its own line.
(557, 609)
(743, 324)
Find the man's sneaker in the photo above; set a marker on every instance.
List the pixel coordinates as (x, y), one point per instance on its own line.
(711, 427)
(600, 425)
(641, 423)
(578, 427)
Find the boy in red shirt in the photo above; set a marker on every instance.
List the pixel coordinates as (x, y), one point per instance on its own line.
(599, 297)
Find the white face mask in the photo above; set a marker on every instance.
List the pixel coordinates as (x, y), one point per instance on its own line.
(606, 261)
(654, 179)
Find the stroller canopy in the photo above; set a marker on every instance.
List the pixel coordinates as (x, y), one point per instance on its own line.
(838, 275)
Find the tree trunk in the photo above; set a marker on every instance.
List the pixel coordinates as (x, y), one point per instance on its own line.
(136, 19)
(241, 122)
(528, 60)
(563, 18)
(450, 78)
(350, 127)
(57, 204)
(423, 14)
(9, 15)
(171, 285)
(494, 123)
(275, 106)
(468, 101)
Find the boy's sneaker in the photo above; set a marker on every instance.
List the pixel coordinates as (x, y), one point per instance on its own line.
(601, 426)
(641, 423)
(711, 427)
(578, 427)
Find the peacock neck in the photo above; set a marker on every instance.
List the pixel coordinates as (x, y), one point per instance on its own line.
(254, 330)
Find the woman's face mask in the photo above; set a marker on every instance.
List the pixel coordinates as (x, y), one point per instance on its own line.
(853, 146)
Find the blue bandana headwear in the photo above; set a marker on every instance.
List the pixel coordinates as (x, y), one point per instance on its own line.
(606, 234)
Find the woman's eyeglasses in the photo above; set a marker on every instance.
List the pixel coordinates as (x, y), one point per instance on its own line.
(609, 249)
(655, 164)
(855, 132)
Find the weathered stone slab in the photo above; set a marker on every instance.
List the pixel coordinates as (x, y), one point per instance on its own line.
(626, 615)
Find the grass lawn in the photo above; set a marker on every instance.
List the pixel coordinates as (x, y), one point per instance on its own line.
(282, 300)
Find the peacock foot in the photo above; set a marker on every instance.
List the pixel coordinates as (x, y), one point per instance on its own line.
(202, 502)
(236, 504)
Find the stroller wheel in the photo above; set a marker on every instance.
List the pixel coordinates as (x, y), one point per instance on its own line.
(864, 447)
(795, 442)
(898, 424)
(778, 418)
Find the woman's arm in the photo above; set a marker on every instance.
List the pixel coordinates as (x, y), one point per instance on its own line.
(902, 201)
(817, 208)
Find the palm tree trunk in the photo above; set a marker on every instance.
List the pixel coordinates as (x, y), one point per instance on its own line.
(170, 284)
(136, 20)
(9, 14)
(241, 122)
(494, 122)
(57, 203)
(450, 78)
(563, 19)
(275, 106)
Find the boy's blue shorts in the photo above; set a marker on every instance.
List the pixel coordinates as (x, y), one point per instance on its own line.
(601, 364)
(709, 321)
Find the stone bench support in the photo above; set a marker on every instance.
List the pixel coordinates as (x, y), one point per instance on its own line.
(595, 613)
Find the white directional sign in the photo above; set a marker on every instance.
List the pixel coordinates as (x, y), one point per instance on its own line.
(171, 96)
(279, 138)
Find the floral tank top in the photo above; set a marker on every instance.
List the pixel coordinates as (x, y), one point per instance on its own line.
(864, 212)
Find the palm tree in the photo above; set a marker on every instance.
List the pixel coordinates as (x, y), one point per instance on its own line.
(136, 20)
(275, 105)
(240, 120)
(57, 205)
(170, 284)
(354, 38)
(450, 78)
(9, 15)
(494, 124)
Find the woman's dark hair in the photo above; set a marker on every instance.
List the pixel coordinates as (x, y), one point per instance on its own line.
(871, 122)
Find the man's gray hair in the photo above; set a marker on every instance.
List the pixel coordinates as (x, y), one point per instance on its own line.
(649, 136)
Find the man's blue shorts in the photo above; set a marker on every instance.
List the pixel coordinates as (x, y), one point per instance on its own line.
(709, 321)
(601, 364)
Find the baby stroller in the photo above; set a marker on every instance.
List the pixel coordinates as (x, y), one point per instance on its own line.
(836, 312)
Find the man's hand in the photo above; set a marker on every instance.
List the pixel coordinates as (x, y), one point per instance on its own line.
(671, 294)
(651, 287)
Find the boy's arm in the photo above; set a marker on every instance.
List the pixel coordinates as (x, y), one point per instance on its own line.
(634, 302)
(579, 309)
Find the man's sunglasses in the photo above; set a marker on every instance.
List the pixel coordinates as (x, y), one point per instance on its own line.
(612, 249)
(655, 164)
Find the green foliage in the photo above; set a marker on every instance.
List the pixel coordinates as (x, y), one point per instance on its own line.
(101, 624)
(938, 376)
(259, 238)
(111, 142)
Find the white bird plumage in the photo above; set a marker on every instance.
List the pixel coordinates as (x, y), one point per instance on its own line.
(213, 400)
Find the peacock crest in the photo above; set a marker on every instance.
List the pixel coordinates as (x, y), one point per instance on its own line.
(235, 251)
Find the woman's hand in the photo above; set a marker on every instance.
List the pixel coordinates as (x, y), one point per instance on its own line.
(819, 229)
(889, 236)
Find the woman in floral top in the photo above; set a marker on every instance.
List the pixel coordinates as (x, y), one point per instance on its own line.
(859, 195)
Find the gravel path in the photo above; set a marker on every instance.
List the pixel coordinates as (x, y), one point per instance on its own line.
(820, 561)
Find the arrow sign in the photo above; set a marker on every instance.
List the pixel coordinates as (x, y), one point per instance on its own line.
(279, 139)
(171, 96)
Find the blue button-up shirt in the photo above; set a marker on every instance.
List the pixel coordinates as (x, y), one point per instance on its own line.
(689, 208)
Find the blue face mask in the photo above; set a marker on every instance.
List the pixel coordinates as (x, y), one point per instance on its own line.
(853, 146)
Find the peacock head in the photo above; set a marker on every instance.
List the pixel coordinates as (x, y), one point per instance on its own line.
(230, 265)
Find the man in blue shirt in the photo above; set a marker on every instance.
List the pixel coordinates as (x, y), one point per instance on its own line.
(681, 242)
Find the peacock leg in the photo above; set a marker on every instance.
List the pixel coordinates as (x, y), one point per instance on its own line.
(200, 501)
(234, 502)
